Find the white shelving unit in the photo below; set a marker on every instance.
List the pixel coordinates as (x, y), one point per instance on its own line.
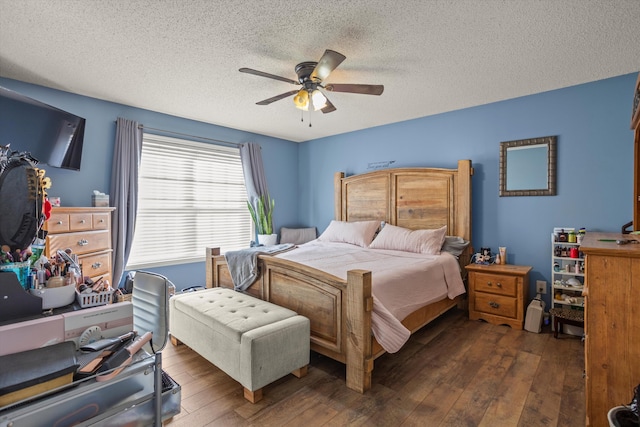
(567, 278)
(563, 269)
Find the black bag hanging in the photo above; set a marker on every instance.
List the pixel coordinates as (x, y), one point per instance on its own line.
(21, 199)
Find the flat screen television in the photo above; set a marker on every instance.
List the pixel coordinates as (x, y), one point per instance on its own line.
(52, 136)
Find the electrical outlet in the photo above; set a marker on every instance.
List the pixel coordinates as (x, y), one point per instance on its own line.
(541, 286)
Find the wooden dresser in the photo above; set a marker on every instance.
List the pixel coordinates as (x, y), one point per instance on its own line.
(87, 232)
(612, 323)
(497, 293)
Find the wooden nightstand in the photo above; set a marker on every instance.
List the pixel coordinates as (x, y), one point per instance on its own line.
(497, 293)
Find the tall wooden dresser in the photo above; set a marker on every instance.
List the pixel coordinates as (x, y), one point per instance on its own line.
(87, 232)
(612, 323)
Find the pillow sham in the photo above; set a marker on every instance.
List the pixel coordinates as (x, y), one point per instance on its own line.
(402, 239)
(358, 233)
(455, 245)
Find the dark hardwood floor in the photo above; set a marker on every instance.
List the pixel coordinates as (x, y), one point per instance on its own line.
(453, 372)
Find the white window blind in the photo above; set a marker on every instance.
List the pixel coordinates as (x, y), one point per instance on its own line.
(191, 195)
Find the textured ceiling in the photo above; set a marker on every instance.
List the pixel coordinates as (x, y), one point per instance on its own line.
(182, 57)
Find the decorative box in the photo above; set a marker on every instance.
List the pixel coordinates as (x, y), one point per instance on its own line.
(100, 201)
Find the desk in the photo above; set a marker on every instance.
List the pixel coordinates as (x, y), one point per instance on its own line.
(128, 399)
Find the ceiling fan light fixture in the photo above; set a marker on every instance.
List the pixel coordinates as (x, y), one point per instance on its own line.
(318, 99)
(301, 100)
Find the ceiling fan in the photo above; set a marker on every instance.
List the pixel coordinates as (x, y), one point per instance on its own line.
(311, 76)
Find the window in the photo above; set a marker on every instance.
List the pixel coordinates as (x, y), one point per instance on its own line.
(191, 195)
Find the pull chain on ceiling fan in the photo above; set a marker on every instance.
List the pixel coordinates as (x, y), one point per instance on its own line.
(311, 76)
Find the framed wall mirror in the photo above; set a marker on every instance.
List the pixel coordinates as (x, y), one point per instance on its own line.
(528, 167)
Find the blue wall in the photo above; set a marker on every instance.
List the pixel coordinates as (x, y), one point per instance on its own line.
(75, 188)
(595, 164)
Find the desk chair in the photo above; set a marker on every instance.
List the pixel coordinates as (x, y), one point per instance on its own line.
(150, 301)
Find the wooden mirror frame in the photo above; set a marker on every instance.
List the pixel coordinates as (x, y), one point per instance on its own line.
(550, 141)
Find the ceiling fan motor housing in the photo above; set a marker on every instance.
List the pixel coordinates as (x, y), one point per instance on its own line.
(304, 70)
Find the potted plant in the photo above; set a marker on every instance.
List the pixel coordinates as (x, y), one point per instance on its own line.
(262, 215)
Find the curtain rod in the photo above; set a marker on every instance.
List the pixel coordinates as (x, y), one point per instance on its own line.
(190, 136)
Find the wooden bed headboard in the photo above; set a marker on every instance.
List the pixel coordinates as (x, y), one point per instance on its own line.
(414, 198)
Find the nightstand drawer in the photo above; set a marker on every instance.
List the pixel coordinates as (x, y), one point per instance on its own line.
(496, 304)
(496, 284)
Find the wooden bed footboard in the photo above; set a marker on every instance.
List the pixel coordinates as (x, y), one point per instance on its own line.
(327, 301)
(339, 311)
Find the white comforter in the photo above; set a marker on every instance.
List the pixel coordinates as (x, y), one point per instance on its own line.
(402, 282)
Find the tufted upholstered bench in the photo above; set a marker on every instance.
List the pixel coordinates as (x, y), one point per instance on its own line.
(255, 342)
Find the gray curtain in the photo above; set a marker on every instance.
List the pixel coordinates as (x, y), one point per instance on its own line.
(124, 192)
(253, 170)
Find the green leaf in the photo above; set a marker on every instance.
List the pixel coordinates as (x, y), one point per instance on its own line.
(262, 214)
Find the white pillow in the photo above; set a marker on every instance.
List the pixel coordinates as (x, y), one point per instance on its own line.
(356, 233)
(402, 239)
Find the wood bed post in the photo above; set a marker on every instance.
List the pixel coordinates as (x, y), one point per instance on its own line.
(210, 267)
(358, 343)
(463, 202)
(337, 195)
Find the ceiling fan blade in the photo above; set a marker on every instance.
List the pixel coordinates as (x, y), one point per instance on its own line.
(329, 61)
(329, 107)
(277, 98)
(353, 88)
(271, 76)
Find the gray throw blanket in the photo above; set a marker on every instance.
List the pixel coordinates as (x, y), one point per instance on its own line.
(243, 264)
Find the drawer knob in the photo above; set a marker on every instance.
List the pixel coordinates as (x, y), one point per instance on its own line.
(102, 220)
(494, 304)
(59, 222)
(96, 265)
(489, 284)
(499, 284)
(83, 242)
(82, 221)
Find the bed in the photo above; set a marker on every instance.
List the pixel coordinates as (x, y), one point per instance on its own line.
(340, 310)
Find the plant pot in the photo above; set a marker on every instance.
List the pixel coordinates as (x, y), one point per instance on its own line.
(267, 239)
